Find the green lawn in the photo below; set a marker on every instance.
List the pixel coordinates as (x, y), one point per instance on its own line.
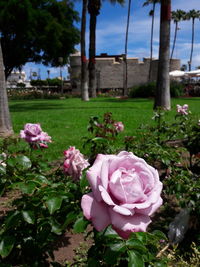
(66, 120)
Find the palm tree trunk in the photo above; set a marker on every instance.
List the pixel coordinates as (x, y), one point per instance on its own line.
(92, 54)
(162, 98)
(84, 83)
(175, 35)
(125, 91)
(192, 45)
(151, 45)
(5, 122)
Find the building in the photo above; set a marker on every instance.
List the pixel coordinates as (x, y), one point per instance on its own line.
(110, 71)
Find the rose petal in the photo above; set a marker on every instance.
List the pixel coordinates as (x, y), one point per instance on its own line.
(128, 224)
(122, 210)
(95, 211)
(105, 196)
(149, 211)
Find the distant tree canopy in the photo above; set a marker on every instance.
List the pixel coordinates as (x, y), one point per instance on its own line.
(40, 31)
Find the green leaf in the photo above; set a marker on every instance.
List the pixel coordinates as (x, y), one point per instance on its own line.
(54, 203)
(80, 225)
(159, 234)
(6, 245)
(41, 179)
(135, 259)
(118, 247)
(71, 216)
(2, 170)
(110, 233)
(23, 162)
(27, 187)
(28, 216)
(12, 219)
(136, 245)
(55, 226)
(111, 256)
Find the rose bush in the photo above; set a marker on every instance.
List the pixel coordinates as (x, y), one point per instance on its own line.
(125, 193)
(34, 135)
(74, 163)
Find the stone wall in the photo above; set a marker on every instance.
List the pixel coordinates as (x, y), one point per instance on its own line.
(109, 71)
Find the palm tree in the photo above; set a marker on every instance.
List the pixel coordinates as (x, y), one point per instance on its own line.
(177, 16)
(94, 7)
(5, 122)
(84, 83)
(192, 14)
(152, 14)
(125, 91)
(162, 98)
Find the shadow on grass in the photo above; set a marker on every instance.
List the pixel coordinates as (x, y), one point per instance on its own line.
(121, 100)
(47, 106)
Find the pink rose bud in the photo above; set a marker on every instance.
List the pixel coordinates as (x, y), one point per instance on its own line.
(74, 163)
(119, 126)
(182, 109)
(125, 193)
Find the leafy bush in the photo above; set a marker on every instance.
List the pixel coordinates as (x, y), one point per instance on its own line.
(149, 90)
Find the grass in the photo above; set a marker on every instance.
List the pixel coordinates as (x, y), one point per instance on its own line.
(66, 120)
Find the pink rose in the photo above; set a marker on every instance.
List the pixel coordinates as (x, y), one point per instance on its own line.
(74, 163)
(34, 135)
(182, 109)
(125, 193)
(119, 126)
(31, 132)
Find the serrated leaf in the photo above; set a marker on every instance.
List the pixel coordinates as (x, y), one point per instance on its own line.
(2, 170)
(23, 162)
(55, 227)
(12, 219)
(111, 257)
(80, 225)
(53, 204)
(159, 234)
(136, 245)
(71, 216)
(111, 233)
(42, 179)
(118, 247)
(28, 216)
(27, 187)
(135, 259)
(6, 245)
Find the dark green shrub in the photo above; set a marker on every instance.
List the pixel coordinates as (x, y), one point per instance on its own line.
(144, 90)
(176, 89)
(149, 89)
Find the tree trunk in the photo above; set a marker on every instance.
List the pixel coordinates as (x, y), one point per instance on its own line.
(84, 83)
(175, 35)
(192, 45)
(125, 91)
(5, 122)
(92, 54)
(162, 98)
(151, 44)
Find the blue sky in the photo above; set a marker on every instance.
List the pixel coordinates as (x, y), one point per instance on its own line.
(111, 27)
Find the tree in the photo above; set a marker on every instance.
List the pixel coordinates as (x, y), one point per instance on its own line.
(125, 91)
(5, 122)
(162, 98)
(94, 7)
(152, 14)
(39, 31)
(84, 83)
(177, 16)
(192, 14)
